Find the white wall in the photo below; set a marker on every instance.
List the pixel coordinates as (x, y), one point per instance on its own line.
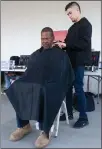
(22, 21)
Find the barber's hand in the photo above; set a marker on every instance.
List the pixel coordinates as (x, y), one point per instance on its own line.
(60, 44)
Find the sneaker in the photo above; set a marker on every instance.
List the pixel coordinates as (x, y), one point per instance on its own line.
(19, 133)
(82, 122)
(42, 141)
(2, 93)
(70, 116)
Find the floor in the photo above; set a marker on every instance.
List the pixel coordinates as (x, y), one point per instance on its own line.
(68, 137)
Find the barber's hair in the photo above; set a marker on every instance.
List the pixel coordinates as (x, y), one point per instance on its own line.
(48, 29)
(72, 4)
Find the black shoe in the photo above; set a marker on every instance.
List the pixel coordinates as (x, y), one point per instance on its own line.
(63, 118)
(70, 117)
(82, 122)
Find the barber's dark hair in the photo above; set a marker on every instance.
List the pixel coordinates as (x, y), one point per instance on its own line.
(72, 4)
(48, 29)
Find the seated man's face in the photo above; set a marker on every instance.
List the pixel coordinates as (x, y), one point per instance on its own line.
(46, 40)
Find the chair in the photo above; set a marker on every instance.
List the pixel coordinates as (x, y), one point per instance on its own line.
(24, 60)
(16, 59)
(55, 126)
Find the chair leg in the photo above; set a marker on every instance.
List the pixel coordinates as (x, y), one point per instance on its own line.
(55, 127)
(66, 113)
(57, 123)
(52, 129)
(37, 125)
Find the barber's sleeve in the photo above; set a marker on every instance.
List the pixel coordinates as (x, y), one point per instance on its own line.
(81, 44)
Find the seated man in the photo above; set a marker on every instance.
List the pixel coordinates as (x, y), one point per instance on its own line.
(39, 93)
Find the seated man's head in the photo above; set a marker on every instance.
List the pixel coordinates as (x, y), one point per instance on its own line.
(47, 37)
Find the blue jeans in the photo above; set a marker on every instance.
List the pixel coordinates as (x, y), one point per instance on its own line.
(78, 85)
(7, 80)
(21, 123)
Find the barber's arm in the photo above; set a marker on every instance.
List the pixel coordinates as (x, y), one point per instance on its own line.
(85, 33)
(60, 44)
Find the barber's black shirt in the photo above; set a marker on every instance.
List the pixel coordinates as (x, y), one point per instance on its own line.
(78, 41)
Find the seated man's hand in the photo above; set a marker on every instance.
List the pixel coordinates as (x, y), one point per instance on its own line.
(60, 44)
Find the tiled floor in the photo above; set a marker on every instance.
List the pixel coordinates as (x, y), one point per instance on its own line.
(68, 137)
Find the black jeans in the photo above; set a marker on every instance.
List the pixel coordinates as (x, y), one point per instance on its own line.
(78, 85)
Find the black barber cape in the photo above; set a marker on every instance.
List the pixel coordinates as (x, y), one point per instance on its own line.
(39, 93)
